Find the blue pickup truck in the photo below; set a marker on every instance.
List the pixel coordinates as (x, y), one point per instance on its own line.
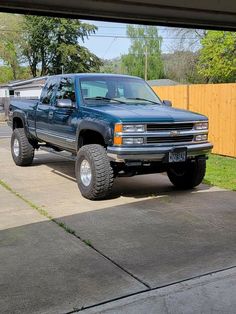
(113, 125)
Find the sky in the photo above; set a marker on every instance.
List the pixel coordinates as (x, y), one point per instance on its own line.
(106, 45)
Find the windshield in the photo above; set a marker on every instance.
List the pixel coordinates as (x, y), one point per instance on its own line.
(118, 90)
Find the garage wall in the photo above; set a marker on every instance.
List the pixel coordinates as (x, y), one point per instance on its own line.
(217, 101)
(30, 92)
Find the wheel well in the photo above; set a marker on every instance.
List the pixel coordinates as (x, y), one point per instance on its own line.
(17, 123)
(90, 137)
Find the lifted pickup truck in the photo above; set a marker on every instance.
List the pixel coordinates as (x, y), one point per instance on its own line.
(113, 125)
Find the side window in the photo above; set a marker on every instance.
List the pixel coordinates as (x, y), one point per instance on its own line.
(66, 89)
(48, 91)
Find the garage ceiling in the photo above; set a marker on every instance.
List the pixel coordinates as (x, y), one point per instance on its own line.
(212, 14)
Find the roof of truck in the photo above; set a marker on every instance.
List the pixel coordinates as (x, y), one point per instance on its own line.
(95, 74)
(36, 81)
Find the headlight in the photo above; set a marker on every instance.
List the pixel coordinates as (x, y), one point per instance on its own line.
(201, 137)
(128, 128)
(132, 128)
(201, 126)
(132, 140)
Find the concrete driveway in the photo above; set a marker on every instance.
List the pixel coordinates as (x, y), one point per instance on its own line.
(142, 251)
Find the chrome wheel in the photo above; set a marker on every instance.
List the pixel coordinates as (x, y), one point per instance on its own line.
(85, 172)
(16, 147)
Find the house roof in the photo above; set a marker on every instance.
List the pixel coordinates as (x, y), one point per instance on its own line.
(34, 81)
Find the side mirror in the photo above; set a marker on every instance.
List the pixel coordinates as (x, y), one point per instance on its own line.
(65, 103)
(167, 103)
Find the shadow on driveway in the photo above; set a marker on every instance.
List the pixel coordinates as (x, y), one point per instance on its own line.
(137, 187)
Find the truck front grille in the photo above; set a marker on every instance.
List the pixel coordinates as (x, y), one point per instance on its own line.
(169, 127)
(165, 132)
(169, 139)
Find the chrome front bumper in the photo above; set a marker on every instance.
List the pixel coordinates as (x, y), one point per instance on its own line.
(157, 153)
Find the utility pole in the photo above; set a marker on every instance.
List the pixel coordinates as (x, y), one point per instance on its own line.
(146, 63)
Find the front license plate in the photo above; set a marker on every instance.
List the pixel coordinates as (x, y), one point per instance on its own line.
(177, 156)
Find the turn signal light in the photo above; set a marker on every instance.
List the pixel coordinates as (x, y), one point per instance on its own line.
(117, 140)
(118, 128)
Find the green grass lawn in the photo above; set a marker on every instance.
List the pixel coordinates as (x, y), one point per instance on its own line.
(221, 171)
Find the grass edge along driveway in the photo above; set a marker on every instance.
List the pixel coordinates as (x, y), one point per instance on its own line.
(221, 171)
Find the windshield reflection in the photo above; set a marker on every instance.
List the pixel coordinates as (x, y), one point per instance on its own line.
(102, 90)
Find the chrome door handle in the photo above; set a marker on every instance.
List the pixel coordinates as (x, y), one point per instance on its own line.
(50, 114)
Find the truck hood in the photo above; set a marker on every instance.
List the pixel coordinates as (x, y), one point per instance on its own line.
(146, 113)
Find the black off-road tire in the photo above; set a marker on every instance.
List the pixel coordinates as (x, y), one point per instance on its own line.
(25, 155)
(187, 175)
(101, 172)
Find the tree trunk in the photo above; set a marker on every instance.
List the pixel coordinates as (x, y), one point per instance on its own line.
(14, 71)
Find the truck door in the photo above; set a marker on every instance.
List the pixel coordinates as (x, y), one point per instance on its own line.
(63, 121)
(44, 109)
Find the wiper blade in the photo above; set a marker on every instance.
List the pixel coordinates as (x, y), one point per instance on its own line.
(137, 98)
(104, 98)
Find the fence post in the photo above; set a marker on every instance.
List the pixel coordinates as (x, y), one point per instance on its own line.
(6, 106)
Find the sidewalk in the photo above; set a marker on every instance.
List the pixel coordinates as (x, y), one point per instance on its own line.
(213, 294)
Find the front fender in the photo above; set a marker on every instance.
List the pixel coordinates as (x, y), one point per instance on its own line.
(101, 127)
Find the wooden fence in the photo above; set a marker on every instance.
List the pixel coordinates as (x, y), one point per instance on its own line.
(217, 101)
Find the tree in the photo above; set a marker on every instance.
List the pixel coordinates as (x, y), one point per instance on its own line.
(10, 37)
(47, 45)
(6, 74)
(181, 66)
(111, 66)
(217, 61)
(51, 46)
(144, 53)
(186, 39)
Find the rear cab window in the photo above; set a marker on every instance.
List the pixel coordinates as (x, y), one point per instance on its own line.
(49, 91)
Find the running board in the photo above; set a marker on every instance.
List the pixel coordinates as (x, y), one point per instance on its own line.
(62, 154)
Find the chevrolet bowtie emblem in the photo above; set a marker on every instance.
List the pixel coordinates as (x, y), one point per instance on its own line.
(174, 133)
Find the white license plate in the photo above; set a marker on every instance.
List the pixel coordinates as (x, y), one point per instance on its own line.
(177, 156)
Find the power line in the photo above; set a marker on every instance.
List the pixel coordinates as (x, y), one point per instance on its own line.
(125, 26)
(109, 47)
(112, 36)
(136, 37)
(111, 27)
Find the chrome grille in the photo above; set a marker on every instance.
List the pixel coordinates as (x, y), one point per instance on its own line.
(169, 126)
(170, 132)
(169, 139)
